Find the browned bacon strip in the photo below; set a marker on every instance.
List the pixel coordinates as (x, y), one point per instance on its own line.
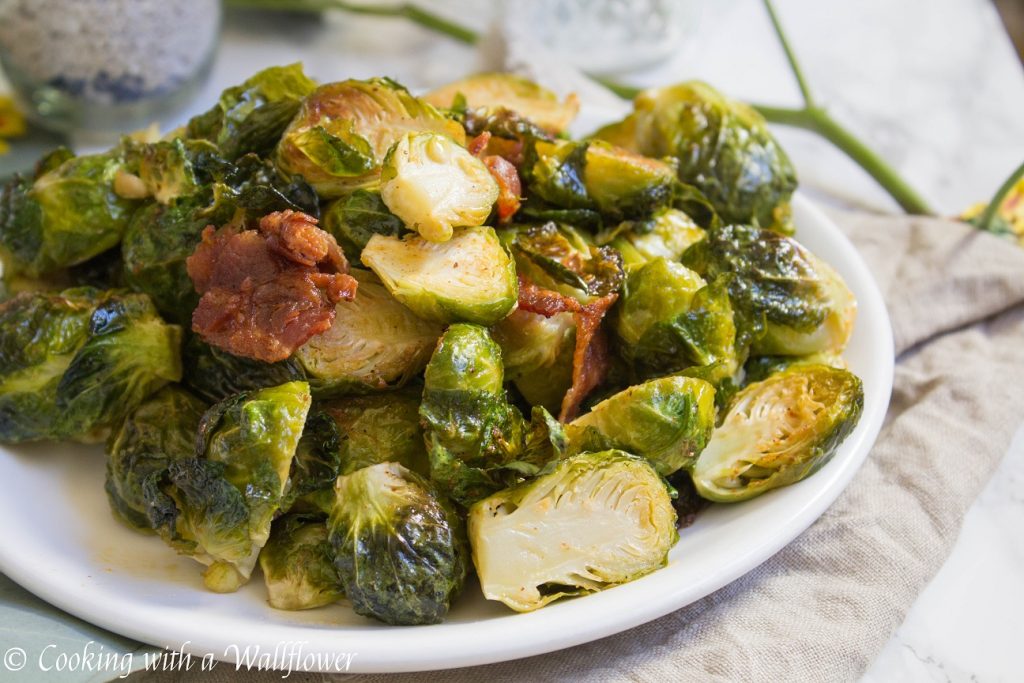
(266, 292)
(590, 356)
(504, 172)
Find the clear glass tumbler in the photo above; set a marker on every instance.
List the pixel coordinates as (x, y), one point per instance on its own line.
(106, 65)
(603, 36)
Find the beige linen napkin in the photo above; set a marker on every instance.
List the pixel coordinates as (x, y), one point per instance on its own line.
(823, 607)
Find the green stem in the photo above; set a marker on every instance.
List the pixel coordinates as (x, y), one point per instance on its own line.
(626, 92)
(818, 121)
(408, 11)
(794, 65)
(992, 210)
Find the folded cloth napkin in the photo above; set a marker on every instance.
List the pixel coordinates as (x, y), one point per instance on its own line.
(824, 606)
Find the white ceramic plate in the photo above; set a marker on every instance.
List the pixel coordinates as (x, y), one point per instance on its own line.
(61, 542)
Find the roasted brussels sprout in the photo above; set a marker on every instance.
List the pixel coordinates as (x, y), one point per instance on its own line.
(227, 497)
(492, 92)
(586, 523)
(469, 278)
(252, 116)
(476, 441)
(538, 355)
(339, 137)
(470, 427)
(64, 216)
(668, 421)
(353, 220)
(375, 342)
(165, 170)
(74, 363)
(316, 465)
(105, 271)
(434, 184)
(39, 336)
(380, 428)
(667, 234)
(761, 367)
(398, 547)
(298, 564)
(687, 501)
(160, 430)
(130, 354)
(792, 302)
(157, 241)
(722, 147)
(596, 176)
(215, 375)
(563, 259)
(668, 319)
(779, 431)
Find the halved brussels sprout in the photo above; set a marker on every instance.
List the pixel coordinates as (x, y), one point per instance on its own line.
(353, 220)
(493, 91)
(476, 441)
(761, 367)
(74, 363)
(434, 184)
(380, 428)
(399, 548)
(668, 421)
(793, 302)
(375, 342)
(160, 430)
(779, 431)
(227, 497)
(339, 137)
(587, 523)
(598, 176)
(537, 354)
(298, 564)
(469, 278)
(666, 234)
(252, 116)
(723, 147)
(64, 216)
(668, 319)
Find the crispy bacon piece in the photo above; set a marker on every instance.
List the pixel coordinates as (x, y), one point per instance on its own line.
(590, 360)
(590, 356)
(504, 172)
(478, 145)
(266, 292)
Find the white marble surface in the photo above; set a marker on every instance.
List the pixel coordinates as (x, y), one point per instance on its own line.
(934, 86)
(966, 625)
